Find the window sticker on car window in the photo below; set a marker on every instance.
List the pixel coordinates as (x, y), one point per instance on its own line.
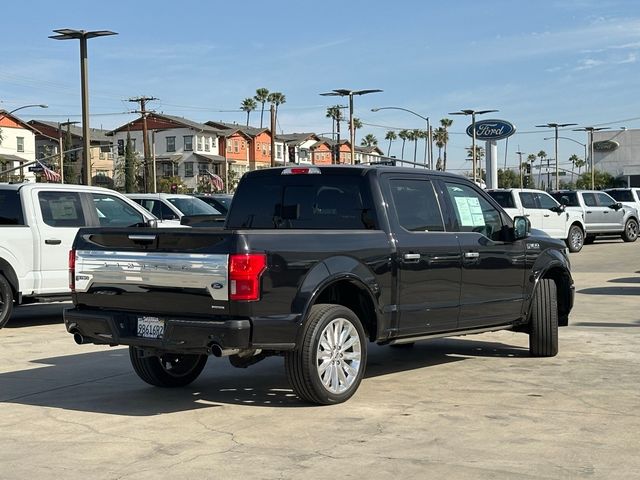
(63, 209)
(470, 212)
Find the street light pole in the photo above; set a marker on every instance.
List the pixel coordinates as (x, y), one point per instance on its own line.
(473, 114)
(83, 36)
(343, 92)
(592, 163)
(555, 127)
(426, 119)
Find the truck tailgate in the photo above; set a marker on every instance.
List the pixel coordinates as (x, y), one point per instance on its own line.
(168, 271)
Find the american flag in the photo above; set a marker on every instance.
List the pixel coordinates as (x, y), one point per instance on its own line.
(49, 174)
(216, 181)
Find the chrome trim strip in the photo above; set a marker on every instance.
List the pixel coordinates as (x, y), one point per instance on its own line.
(204, 271)
(399, 341)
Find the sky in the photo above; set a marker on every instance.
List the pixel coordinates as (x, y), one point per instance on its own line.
(564, 61)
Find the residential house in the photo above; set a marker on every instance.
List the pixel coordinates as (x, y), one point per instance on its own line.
(17, 147)
(180, 147)
(51, 135)
(259, 147)
(297, 146)
(371, 154)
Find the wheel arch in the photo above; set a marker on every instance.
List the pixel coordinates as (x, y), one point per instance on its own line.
(564, 286)
(10, 274)
(354, 288)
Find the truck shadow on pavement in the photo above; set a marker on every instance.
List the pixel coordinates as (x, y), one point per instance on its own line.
(610, 291)
(625, 280)
(104, 382)
(37, 314)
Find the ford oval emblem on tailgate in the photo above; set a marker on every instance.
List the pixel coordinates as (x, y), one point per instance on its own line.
(217, 286)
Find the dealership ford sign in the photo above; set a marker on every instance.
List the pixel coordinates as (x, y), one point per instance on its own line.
(492, 129)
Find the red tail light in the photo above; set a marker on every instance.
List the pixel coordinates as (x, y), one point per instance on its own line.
(245, 270)
(72, 270)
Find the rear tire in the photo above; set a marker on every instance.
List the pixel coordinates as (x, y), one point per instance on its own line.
(328, 366)
(6, 301)
(575, 239)
(167, 370)
(630, 233)
(543, 336)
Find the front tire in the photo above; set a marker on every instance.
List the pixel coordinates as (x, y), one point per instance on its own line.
(329, 365)
(630, 233)
(575, 239)
(6, 301)
(167, 370)
(543, 336)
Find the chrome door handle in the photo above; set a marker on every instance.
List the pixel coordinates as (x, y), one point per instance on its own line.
(589, 211)
(411, 257)
(546, 216)
(471, 255)
(52, 241)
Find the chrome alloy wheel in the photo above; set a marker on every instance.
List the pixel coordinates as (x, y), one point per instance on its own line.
(576, 239)
(338, 355)
(632, 230)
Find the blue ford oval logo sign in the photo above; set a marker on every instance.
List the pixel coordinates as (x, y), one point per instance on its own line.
(492, 129)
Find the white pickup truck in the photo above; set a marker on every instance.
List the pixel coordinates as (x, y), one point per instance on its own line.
(544, 213)
(38, 223)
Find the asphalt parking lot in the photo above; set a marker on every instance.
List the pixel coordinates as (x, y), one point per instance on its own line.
(458, 408)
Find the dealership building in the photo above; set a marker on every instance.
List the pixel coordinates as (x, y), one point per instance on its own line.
(618, 153)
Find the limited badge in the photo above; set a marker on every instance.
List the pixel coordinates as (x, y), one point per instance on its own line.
(533, 246)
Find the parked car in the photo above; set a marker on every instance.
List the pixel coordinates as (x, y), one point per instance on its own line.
(219, 201)
(173, 206)
(602, 214)
(313, 264)
(544, 213)
(38, 222)
(626, 196)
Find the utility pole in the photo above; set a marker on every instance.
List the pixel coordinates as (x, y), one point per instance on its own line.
(145, 140)
(273, 136)
(521, 169)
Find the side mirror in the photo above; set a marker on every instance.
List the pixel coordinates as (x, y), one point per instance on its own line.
(521, 228)
(616, 206)
(152, 223)
(558, 209)
(564, 200)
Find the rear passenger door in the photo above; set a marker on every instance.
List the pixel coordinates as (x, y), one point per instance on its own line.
(531, 209)
(428, 257)
(493, 268)
(594, 215)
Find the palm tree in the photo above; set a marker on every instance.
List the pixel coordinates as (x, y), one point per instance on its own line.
(404, 136)
(479, 156)
(580, 163)
(541, 155)
(369, 140)
(446, 123)
(277, 99)
(439, 137)
(417, 135)
(261, 97)
(573, 159)
(335, 114)
(531, 158)
(391, 136)
(248, 105)
(357, 124)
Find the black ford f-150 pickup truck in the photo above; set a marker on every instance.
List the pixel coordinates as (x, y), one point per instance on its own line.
(312, 264)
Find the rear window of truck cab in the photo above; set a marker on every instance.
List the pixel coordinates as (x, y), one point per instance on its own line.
(308, 201)
(10, 208)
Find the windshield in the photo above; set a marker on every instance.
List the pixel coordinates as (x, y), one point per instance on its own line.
(192, 206)
(621, 195)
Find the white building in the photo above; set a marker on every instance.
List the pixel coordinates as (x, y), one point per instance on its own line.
(18, 146)
(618, 153)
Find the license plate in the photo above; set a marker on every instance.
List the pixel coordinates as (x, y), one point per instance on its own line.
(150, 327)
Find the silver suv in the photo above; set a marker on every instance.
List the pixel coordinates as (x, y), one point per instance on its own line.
(602, 214)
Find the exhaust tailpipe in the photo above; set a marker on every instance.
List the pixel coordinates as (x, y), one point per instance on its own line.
(217, 351)
(78, 338)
